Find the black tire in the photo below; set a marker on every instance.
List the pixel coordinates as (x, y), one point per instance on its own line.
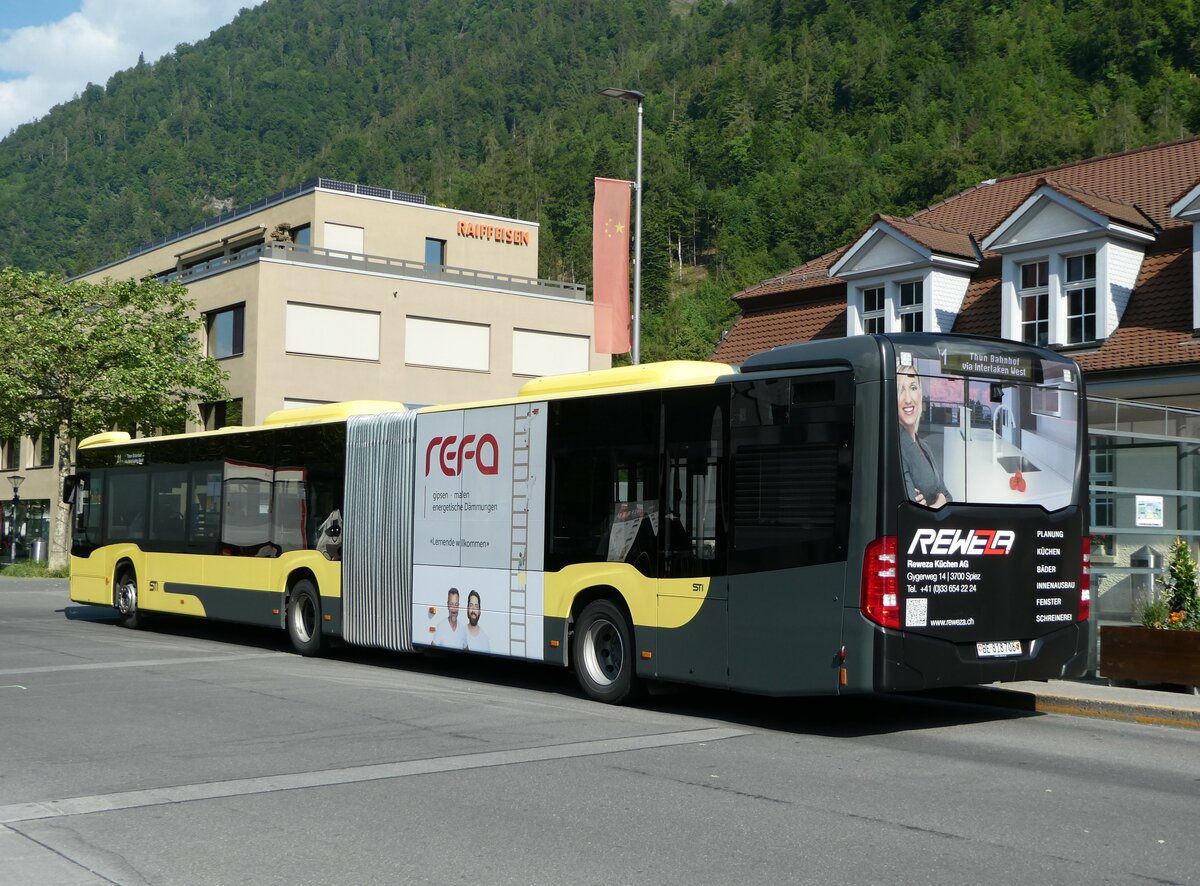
(304, 618)
(603, 653)
(125, 599)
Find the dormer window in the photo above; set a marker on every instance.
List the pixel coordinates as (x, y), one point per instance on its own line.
(912, 306)
(1035, 302)
(874, 306)
(1070, 261)
(893, 265)
(1080, 285)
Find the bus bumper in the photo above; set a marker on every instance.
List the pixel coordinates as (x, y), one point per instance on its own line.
(905, 662)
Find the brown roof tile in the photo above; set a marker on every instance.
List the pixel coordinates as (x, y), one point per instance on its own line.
(764, 330)
(1150, 178)
(1156, 329)
(814, 273)
(1113, 209)
(936, 238)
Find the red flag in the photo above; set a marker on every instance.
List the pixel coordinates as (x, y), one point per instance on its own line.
(610, 265)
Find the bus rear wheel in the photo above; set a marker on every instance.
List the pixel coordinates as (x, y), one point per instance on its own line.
(304, 618)
(603, 652)
(125, 598)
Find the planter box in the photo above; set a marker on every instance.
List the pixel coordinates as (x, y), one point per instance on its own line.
(1149, 655)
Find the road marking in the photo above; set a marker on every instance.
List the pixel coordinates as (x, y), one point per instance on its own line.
(238, 787)
(16, 686)
(147, 663)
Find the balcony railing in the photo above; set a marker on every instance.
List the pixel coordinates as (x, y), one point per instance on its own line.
(1130, 418)
(397, 267)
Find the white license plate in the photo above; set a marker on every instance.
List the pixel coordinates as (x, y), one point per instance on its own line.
(998, 649)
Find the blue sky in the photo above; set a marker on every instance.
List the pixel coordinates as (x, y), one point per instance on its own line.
(19, 13)
(51, 49)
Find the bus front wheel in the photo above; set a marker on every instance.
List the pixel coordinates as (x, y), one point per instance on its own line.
(603, 650)
(304, 618)
(125, 598)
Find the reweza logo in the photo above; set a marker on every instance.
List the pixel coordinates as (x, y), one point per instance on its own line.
(484, 451)
(962, 542)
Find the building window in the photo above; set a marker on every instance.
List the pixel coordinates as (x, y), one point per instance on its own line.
(873, 310)
(226, 332)
(912, 306)
(1035, 303)
(43, 451)
(1080, 289)
(1101, 473)
(10, 457)
(435, 253)
(225, 413)
(302, 235)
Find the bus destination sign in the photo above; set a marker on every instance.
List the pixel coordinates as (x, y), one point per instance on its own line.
(1009, 366)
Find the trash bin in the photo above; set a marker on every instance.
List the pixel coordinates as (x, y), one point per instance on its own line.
(1141, 584)
(37, 550)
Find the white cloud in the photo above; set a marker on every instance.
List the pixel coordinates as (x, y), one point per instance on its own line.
(54, 62)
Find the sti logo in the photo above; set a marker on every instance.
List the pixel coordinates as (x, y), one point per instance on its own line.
(483, 451)
(962, 542)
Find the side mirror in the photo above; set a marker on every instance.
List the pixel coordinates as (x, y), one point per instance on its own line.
(71, 485)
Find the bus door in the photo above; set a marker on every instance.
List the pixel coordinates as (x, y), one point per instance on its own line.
(693, 589)
(165, 532)
(791, 460)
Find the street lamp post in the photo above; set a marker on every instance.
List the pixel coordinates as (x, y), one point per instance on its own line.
(16, 480)
(632, 95)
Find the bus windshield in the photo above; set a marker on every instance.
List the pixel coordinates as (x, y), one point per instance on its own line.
(986, 427)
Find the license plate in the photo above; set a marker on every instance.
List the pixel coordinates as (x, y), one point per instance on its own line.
(998, 649)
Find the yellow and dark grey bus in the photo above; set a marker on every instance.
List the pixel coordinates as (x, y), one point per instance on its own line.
(870, 514)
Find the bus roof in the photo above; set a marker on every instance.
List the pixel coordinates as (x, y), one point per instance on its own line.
(319, 414)
(643, 377)
(667, 374)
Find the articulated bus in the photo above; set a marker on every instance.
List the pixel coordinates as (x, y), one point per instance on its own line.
(870, 514)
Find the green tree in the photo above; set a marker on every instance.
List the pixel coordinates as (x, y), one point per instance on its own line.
(81, 358)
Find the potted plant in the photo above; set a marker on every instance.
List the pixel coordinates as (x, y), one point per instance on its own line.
(1166, 647)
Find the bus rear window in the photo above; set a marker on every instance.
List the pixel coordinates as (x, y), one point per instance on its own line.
(986, 432)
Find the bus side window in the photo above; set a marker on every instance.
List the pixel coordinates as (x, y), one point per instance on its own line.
(604, 489)
(168, 505)
(693, 538)
(127, 503)
(792, 441)
(205, 509)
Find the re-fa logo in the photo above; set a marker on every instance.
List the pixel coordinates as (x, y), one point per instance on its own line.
(962, 542)
(451, 458)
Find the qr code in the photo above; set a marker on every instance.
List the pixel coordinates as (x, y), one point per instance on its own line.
(916, 613)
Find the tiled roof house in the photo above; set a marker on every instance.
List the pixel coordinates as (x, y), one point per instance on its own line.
(1096, 258)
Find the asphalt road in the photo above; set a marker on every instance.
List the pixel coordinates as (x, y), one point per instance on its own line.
(202, 754)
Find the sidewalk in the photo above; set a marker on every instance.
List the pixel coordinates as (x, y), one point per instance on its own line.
(1089, 698)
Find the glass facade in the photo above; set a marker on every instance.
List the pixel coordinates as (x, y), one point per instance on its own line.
(1145, 492)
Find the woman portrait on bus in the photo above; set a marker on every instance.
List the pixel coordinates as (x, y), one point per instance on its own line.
(922, 479)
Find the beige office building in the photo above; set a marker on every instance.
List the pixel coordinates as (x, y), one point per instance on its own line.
(331, 291)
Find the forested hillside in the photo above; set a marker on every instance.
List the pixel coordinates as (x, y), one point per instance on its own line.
(774, 128)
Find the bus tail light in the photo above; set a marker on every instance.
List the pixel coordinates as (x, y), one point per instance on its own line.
(1085, 582)
(880, 590)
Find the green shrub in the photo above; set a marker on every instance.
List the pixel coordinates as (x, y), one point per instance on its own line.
(1178, 606)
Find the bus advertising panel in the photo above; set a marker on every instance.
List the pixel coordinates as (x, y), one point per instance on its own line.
(479, 542)
(980, 428)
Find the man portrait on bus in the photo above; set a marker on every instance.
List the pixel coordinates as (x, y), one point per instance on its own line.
(922, 478)
(476, 640)
(450, 634)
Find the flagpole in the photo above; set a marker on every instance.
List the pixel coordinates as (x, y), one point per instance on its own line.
(632, 95)
(636, 353)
